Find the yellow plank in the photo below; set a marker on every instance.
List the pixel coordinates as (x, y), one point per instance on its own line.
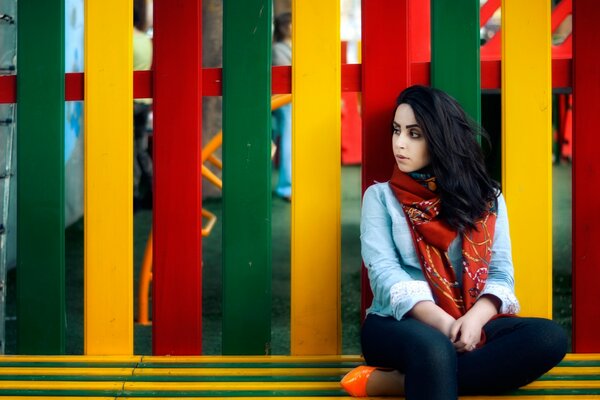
(239, 371)
(530, 397)
(59, 385)
(316, 201)
(228, 386)
(252, 359)
(563, 385)
(264, 398)
(526, 148)
(582, 357)
(508, 397)
(108, 208)
(67, 359)
(60, 371)
(574, 371)
(56, 397)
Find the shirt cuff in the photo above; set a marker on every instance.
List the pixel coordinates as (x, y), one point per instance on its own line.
(404, 295)
(510, 304)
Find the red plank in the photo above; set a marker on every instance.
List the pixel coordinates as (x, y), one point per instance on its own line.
(74, 87)
(8, 89)
(586, 177)
(142, 84)
(385, 72)
(177, 255)
(419, 14)
(282, 78)
(351, 78)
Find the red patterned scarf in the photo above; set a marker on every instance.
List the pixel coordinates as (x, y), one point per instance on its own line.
(432, 237)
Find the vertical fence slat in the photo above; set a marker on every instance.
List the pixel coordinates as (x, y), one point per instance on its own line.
(316, 180)
(526, 148)
(455, 65)
(40, 185)
(177, 277)
(246, 177)
(586, 177)
(385, 72)
(108, 187)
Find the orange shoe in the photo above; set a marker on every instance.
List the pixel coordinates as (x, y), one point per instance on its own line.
(355, 381)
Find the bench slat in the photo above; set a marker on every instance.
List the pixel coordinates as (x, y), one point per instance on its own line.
(236, 377)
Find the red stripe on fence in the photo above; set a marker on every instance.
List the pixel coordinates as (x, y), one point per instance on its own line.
(562, 77)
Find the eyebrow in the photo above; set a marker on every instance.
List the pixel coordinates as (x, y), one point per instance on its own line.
(394, 123)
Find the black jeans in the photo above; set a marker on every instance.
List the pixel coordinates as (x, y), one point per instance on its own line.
(517, 351)
(142, 159)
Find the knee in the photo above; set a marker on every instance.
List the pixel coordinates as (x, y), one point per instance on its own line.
(555, 339)
(548, 338)
(439, 354)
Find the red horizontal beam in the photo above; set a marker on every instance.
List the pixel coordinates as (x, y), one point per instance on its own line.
(562, 77)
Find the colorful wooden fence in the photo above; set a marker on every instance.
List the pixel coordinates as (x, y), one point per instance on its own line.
(394, 56)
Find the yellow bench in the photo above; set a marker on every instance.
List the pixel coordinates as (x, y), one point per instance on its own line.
(230, 376)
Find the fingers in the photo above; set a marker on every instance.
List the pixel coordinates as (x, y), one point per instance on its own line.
(464, 347)
(454, 330)
(462, 338)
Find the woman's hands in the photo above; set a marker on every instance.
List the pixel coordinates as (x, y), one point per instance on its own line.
(465, 332)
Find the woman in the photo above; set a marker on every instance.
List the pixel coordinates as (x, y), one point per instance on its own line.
(436, 244)
(282, 55)
(142, 159)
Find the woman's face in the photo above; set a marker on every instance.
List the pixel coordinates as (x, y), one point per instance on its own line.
(408, 141)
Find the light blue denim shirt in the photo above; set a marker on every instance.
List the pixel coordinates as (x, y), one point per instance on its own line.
(395, 274)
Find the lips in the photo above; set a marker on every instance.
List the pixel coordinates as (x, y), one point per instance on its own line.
(399, 157)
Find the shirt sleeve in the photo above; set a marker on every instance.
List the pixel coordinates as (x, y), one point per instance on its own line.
(390, 283)
(501, 281)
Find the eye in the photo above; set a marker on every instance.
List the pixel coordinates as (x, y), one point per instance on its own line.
(395, 130)
(415, 134)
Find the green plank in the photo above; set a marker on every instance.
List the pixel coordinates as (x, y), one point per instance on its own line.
(455, 65)
(246, 177)
(40, 182)
(234, 393)
(579, 363)
(569, 378)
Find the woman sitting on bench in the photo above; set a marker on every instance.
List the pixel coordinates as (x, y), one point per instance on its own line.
(436, 244)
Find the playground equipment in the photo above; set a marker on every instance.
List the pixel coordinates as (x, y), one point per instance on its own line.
(392, 59)
(8, 45)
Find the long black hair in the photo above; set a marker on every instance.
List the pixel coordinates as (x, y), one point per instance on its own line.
(456, 159)
(282, 27)
(139, 15)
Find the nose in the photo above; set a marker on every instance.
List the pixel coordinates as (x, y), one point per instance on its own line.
(400, 140)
